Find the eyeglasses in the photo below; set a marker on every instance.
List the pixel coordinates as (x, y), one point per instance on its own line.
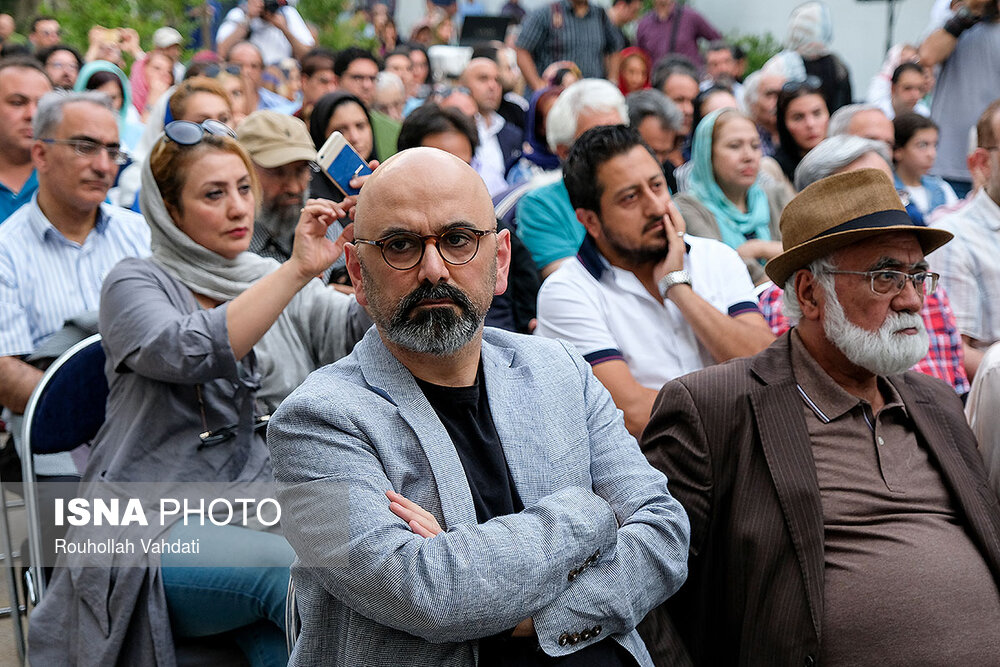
(186, 133)
(219, 436)
(811, 82)
(213, 70)
(886, 282)
(403, 250)
(90, 148)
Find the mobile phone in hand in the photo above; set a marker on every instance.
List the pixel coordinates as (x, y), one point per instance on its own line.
(341, 163)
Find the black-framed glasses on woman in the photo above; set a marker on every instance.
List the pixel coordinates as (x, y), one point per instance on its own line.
(187, 133)
(404, 250)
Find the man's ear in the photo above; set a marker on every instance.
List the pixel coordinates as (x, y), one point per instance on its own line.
(809, 294)
(590, 221)
(39, 157)
(354, 270)
(979, 166)
(503, 261)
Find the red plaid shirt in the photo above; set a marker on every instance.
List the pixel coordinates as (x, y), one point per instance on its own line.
(944, 360)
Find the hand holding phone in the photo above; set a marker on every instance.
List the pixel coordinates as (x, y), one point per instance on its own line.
(341, 163)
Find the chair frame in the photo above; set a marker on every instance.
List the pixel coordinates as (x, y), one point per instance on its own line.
(35, 576)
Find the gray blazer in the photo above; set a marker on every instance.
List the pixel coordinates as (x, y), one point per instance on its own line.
(600, 543)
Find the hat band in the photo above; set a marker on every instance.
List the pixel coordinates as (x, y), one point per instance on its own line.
(890, 218)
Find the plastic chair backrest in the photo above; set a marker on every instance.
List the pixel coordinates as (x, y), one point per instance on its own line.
(67, 407)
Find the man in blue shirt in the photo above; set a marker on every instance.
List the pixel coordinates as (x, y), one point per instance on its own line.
(56, 249)
(22, 83)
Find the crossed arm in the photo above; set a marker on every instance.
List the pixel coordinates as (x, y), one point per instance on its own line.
(445, 589)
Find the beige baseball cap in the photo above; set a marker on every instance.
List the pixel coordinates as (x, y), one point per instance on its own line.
(274, 139)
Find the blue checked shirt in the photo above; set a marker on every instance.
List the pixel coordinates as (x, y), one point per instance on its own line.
(46, 279)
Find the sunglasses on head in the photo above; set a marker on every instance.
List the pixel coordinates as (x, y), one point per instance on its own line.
(811, 82)
(187, 133)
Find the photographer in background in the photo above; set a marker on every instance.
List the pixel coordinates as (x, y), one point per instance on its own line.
(272, 26)
(967, 46)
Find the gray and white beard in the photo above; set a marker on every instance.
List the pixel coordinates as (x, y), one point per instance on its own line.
(883, 352)
(280, 221)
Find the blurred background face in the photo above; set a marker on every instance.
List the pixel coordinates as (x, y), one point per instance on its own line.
(421, 68)
(806, 118)
(249, 61)
(321, 82)
(907, 91)
(736, 153)
(482, 78)
(401, 66)
(359, 80)
(350, 120)
(919, 153)
(720, 64)
(765, 107)
(682, 90)
(203, 105)
(452, 142)
(114, 91)
(657, 137)
(633, 71)
(46, 34)
(62, 68)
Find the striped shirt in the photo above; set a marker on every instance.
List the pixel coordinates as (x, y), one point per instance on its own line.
(970, 267)
(554, 32)
(46, 279)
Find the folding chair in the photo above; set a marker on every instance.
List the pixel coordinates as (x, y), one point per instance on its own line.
(65, 411)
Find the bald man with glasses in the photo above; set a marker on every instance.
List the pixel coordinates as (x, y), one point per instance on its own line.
(482, 498)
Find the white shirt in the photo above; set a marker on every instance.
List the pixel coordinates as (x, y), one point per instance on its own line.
(970, 267)
(983, 415)
(606, 313)
(273, 44)
(489, 156)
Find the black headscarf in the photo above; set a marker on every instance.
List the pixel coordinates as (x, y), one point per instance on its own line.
(319, 120)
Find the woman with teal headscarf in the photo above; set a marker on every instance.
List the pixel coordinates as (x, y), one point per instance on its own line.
(725, 199)
(108, 78)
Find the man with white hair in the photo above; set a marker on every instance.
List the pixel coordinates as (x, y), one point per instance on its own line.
(945, 357)
(760, 99)
(821, 478)
(546, 221)
(862, 120)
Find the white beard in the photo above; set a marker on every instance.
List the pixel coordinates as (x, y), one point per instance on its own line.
(883, 352)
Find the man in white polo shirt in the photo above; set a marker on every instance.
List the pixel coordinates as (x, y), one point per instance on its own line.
(642, 302)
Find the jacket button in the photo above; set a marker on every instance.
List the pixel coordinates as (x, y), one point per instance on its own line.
(574, 638)
(810, 661)
(564, 639)
(573, 574)
(596, 630)
(585, 635)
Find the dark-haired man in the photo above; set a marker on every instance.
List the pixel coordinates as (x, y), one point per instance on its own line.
(641, 301)
(318, 79)
(22, 83)
(62, 63)
(356, 70)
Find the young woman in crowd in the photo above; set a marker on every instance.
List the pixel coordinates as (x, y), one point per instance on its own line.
(109, 79)
(912, 158)
(340, 112)
(633, 70)
(182, 332)
(725, 199)
(802, 122)
(538, 158)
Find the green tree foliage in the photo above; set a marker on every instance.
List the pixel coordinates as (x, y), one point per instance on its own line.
(77, 17)
(759, 48)
(338, 28)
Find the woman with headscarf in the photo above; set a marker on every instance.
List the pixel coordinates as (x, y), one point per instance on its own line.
(810, 32)
(725, 199)
(185, 333)
(345, 113)
(108, 78)
(634, 70)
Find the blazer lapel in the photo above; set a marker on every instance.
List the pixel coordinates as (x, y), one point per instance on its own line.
(787, 449)
(387, 376)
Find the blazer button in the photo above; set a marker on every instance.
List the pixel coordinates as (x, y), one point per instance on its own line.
(585, 635)
(810, 661)
(564, 639)
(573, 574)
(574, 638)
(596, 630)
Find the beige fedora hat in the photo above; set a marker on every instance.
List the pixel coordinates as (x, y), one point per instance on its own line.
(839, 210)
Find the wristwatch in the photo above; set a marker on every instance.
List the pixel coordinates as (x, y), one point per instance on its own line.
(673, 278)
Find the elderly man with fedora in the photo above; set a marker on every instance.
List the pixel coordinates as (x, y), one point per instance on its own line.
(839, 509)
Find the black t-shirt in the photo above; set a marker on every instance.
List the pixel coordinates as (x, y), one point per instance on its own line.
(465, 414)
